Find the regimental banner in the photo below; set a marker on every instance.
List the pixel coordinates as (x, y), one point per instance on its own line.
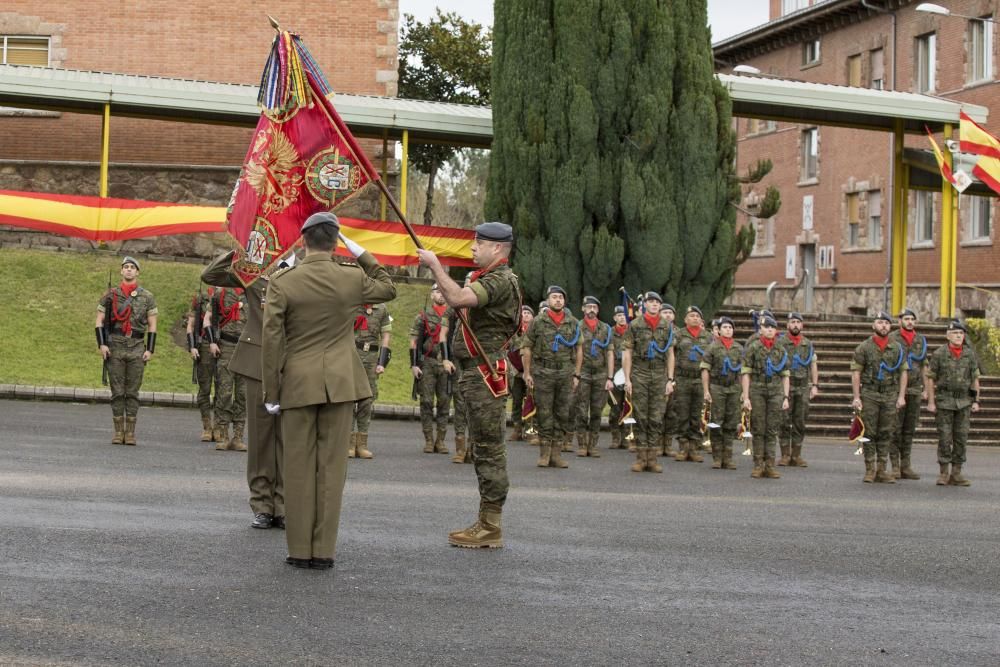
(97, 219)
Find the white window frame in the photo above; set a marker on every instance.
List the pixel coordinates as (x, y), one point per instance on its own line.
(809, 57)
(976, 213)
(873, 82)
(809, 152)
(980, 43)
(926, 64)
(789, 6)
(874, 219)
(923, 206)
(48, 46)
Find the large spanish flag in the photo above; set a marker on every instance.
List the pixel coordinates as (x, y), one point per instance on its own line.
(974, 139)
(97, 219)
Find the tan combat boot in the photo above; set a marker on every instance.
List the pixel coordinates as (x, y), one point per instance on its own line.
(869, 472)
(533, 439)
(129, 431)
(797, 459)
(785, 455)
(905, 471)
(882, 475)
(727, 457)
(631, 446)
(119, 437)
(439, 446)
(956, 478)
(682, 450)
(206, 429)
(693, 454)
(944, 476)
(352, 447)
(758, 468)
(651, 463)
(517, 433)
(769, 471)
(221, 435)
(236, 443)
(555, 457)
(640, 461)
(362, 447)
(716, 456)
(581, 441)
(544, 455)
(592, 451)
(459, 456)
(567, 441)
(894, 461)
(428, 443)
(483, 534)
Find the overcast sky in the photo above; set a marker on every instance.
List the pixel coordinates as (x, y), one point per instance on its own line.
(727, 17)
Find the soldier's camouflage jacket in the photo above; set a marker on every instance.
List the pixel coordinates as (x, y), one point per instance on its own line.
(953, 377)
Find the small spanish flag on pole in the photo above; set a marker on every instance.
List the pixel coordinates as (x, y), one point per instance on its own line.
(946, 172)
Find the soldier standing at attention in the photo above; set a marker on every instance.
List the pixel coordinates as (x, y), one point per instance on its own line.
(878, 382)
(493, 302)
(595, 367)
(953, 386)
(692, 341)
(666, 443)
(618, 393)
(125, 315)
(915, 348)
(518, 390)
(314, 377)
(720, 380)
(199, 337)
(426, 364)
(648, 360)
(765, 393)
(372, 329)
(228, 314)
(548, 353)
(804, 385)
(454, 352)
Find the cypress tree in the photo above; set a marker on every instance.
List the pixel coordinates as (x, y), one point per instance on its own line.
(613, 150)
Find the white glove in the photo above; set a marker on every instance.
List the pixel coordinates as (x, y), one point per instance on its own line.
(351, 246)
(272, 408)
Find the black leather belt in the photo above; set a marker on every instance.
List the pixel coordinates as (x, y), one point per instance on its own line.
(229, 338)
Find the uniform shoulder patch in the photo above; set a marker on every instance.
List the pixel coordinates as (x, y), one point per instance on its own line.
(281, 272)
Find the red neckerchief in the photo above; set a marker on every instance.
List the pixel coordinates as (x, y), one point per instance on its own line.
(768, 342)
(908, 336)
(231, 314)
(439, 309)
(796, 340)
(881, 341)
(557, 319)
(694, 332)
(361, 321)
(955, 351)
(651, 320)
(621, 329)
(524, 325)
(124, 316)
(591, 324)
(726, 342)
(476, 274)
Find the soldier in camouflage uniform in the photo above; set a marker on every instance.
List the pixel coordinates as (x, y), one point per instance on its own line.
(199, 337)
(455, 353)
(426, 364)
(953, 388)
(690, 345)
(548, 354)
(878, 382)
(765, 393)
(372, 331)
(720, 381)
(595, 366)
(494, 303)
(915, 348)
(227, 312)
(648, 361)
(804, 385)
(616, 399)
(670, 412)
(518, 390)
(125, 315)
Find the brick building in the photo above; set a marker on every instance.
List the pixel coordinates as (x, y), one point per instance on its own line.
(835, 181)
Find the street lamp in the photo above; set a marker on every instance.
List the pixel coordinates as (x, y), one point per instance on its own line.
(931, 8)
(746, 69)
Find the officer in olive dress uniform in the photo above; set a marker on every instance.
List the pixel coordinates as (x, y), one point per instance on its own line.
(953, 388)
(492, 301)
(878, 381)
(518, 390)
(199, 338)
(126, 314)
(616, 400)
(429, 373)
(915, 348)
(313, 376)
(765, 387)
(720, 379)
(594, 370)
(228, 315)
(690, 345)
(549, 357)
(803, 386)
(372, 330)
(648, 362)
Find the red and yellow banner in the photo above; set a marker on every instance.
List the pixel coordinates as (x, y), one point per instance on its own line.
(974, 139)
(97, 219)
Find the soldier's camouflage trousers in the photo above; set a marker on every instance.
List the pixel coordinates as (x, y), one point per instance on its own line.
(906, 426)
(879, 415)
(670, 418)
(590, 398)
(518, 390)
(363, 408)
(230, 396)
(461, 418)
(953, 434)
(688, 397)
(434, 401)
(553, 395)
(125, 369)
(649, 384)
(486, 438)
(793, 430)
(725, 413)
(766, 416)
(206, 378)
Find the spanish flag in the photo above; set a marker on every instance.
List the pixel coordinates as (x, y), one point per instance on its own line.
(974, 139)
(946, 172)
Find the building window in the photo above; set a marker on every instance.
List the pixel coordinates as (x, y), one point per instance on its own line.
(977, 217)
(854, 71)
(810, 52)
(877, 59)
(853, 221)
(789, 6)
(24, 51)
(980, 50)
(810, 154)
(760, 126)
(875, 219)
(926, 59)
(922, 218)
(763, 243)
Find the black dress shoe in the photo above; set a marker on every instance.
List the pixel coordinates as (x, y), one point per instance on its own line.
(262, 520)
(321, 564)
(303, 563)
(278, 522)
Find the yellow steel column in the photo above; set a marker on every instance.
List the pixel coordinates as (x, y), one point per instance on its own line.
(946, 292)
(403, 167)
(105, 148)
(955, 237)
(385, 168)
(897, 232)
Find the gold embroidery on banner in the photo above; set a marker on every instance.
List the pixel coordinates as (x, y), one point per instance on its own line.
(270, 173)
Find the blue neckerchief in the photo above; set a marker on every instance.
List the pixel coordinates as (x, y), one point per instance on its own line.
(594, 344)
(695, 352)
(653, 348)
(565, 343)
(770, 369)
(799, 362)
(883, 367)
(910, 358)
(728, 368)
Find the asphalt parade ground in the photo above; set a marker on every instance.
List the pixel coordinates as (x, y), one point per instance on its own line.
(114, 555)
